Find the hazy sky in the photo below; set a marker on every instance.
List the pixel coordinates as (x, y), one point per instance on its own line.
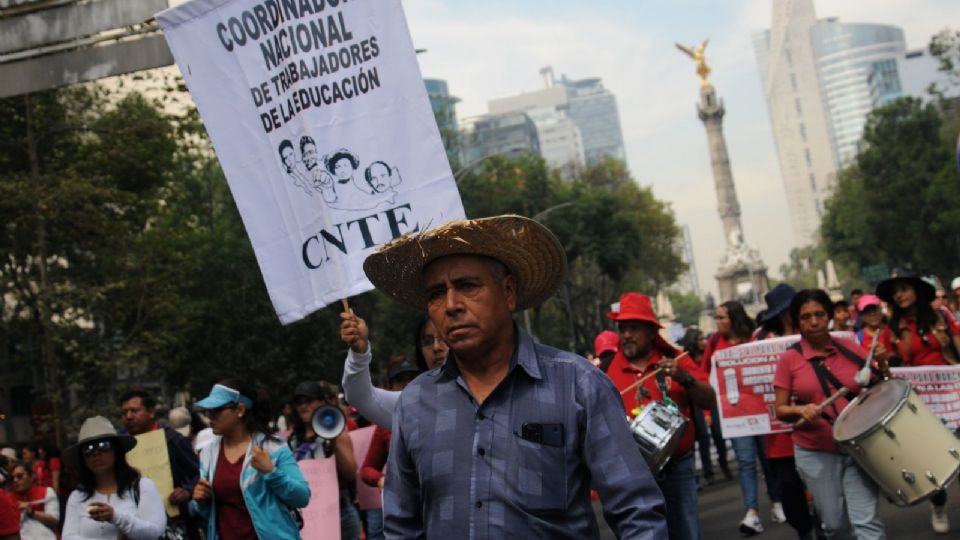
(496, 48)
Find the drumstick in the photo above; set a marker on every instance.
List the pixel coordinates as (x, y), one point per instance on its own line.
(825, 403)
(643, 379)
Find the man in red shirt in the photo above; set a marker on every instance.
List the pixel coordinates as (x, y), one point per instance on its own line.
(642, 351)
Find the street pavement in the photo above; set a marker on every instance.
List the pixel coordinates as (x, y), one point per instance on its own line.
(721, 509)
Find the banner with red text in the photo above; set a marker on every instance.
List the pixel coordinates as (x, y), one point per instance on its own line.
(321, 121)
(742, 377)
(938, 387)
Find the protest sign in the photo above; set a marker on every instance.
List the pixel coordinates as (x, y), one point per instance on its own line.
(321, 518)
(742, 377)
(321, 121)
(368, 497)
(151, 458)
(938, 387)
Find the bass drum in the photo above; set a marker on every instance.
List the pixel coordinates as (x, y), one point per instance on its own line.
(657, 431)
(892, 435)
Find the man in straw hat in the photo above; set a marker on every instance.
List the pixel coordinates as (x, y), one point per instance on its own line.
(643, 351)
(507, 436)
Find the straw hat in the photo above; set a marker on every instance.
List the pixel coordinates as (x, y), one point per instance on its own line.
(531, 252)
(96, 428)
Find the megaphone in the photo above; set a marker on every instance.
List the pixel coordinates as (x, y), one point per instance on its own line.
(328, 422)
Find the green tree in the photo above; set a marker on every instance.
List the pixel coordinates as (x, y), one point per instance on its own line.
(687, 308)
(897, 203)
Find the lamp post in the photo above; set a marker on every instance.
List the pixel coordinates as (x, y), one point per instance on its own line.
(526, 312)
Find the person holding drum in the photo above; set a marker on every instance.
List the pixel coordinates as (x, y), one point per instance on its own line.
(734, 327)
(642, 352)
(807, 373)
(919, 336)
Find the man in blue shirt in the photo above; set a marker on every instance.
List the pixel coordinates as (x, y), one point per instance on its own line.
(506, 438)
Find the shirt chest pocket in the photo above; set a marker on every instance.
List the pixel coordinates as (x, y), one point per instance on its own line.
(539, 475)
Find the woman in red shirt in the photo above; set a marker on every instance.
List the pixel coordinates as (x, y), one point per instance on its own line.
(842, 492)
(919, 336)
(734, 327)
(776, 322)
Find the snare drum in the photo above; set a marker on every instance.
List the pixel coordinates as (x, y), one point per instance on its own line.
(893, 436)
(658, 430)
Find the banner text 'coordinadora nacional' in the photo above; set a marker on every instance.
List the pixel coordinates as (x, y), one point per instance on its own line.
(302, 42)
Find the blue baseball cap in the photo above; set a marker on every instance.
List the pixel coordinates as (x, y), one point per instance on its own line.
(220, 396)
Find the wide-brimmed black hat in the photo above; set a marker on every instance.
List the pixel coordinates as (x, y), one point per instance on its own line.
(925, 291)
(778, 300)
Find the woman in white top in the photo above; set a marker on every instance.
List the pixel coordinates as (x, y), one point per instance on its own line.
(112, 500)
(39, 506)
(377, 404)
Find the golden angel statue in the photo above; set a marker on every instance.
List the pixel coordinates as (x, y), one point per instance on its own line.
(703, 70)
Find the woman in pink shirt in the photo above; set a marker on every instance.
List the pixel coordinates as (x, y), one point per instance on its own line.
(806, 375)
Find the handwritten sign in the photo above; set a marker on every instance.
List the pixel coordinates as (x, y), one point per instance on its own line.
(151, 458)
(368, 497)
(321, 518)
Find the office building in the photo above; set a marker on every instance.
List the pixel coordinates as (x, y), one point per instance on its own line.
(788, 72)
(857, 66)
(443, 104)
(498, 134)
(590, 107)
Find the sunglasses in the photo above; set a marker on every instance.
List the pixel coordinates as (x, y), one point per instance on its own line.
(96, 447)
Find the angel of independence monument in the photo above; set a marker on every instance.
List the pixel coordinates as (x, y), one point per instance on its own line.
(742, 275)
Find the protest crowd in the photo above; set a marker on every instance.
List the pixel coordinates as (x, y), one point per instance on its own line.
(487, 432)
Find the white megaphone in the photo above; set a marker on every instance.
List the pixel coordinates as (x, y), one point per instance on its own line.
(328, 422)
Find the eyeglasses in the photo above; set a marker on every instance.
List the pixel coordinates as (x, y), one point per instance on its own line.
(19, 476)
(941, 296)
(428, 341)
(95, 447)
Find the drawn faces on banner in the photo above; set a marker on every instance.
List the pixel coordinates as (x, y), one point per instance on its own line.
(337, 177)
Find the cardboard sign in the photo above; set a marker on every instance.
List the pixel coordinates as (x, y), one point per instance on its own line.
(321, 121)
(321, 518)
(368, 497)
(938, 387)
(151, 458)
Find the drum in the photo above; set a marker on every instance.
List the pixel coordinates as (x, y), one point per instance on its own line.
(893, 436)
(657, 430)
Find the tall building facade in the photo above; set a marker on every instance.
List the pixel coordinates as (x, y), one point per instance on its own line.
(442, 103)
(594, 110)
(499, 134)
(581, 104)
(798, 116)
(821, 79)
(857, 66)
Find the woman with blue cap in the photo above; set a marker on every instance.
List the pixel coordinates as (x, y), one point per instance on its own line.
(249, 481)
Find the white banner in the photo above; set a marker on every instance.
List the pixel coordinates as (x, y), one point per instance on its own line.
(319, 116)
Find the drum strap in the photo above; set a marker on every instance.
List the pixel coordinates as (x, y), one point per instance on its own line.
(824, 375)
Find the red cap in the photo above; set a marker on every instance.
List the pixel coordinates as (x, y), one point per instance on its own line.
(607, 340)
(634, 307)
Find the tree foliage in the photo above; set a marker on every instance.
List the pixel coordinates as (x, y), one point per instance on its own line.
(123, 258)
(899, 202)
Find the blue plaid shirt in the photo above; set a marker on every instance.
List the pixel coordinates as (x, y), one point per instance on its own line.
(462, 470)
